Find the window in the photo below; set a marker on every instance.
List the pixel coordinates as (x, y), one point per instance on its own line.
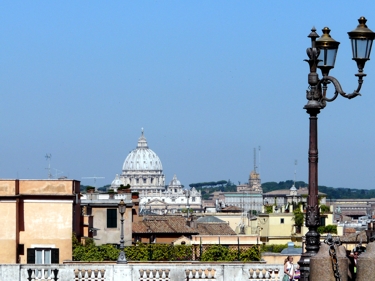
(42, 255)
(193, 199)
(281, 220)
(144, 180)
(322, 221)
(152, 180)
(111, 218)
(173, 200)
(137, 180)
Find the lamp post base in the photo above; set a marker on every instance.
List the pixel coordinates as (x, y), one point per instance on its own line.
(122, 258)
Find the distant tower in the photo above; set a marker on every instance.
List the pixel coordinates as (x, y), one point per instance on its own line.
(293, 189)
(254, 179)
(48, 158)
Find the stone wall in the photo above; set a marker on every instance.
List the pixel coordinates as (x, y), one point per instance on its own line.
(140, 271)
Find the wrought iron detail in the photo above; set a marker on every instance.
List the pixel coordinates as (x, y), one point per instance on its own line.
(312, 216)
(333, 244)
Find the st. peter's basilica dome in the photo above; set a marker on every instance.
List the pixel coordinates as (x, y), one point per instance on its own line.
(142, 158)
(142, 169)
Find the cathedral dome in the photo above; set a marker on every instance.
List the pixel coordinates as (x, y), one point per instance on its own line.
(175, 181)
(116, 182)
(142, 158)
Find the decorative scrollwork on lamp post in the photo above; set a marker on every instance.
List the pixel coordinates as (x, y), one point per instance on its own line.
(122, 258)
(322, 55)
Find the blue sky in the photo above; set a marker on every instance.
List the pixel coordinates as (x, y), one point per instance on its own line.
(208, 81)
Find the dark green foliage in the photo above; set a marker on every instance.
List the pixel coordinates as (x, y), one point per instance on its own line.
(274, 248)
(268, 209)
(328, 229)
(298, 217)
(207, 188)
(332, 193)
(209, 184)
(217, 253)
(91, 252)
(324, 209)
(123, 187)
(159, 252)
(139, 252)
(251, 254)
(182, 253)
(104, 188)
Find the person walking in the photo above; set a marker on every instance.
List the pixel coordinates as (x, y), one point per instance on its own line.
(288, 269)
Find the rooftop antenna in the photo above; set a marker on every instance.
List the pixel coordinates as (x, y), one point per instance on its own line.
(58, 173)
(255, 161)
(259, 157)
(48, 158)
(95, 178)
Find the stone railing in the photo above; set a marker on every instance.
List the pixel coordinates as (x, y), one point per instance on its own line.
(158, 271)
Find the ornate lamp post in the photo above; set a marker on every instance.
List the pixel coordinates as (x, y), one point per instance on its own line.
(322, 55)
(122, 257)
(187, 194)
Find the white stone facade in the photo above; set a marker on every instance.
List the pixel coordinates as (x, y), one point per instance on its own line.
(142, 169)
(173, 199)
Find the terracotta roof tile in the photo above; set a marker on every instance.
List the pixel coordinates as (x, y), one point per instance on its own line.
(163, 224)
(177, 224)
(213, 228)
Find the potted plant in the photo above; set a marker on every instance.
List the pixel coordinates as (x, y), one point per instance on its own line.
(135, 195)
(111, 193)
(90, 189)
(124, 188)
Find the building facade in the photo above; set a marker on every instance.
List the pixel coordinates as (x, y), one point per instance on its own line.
(143, 171)
(102, 220)
(38, 219)
(173, 199)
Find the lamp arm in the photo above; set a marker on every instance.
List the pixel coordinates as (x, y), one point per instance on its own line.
(338, 89)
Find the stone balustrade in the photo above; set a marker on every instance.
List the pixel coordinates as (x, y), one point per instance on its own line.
(144, 271)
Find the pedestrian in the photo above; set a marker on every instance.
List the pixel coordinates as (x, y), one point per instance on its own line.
(288, 269)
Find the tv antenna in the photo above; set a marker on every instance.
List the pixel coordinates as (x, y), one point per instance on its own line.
(48, 158)
(259, 157)
(58, 173)
(255, 161)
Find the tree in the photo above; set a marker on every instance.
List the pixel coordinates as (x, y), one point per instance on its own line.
(298, 218)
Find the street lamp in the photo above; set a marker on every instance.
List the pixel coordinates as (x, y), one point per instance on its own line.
(187, 194)
(322, 55)
(122, 257)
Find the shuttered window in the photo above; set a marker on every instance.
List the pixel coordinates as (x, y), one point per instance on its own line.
(42, 256)
(111, 218)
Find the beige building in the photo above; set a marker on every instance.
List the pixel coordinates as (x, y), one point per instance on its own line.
(38, 219)
(279, 228)
(102, 220)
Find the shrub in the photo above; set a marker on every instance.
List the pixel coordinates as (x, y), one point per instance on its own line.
(219, 253)
(274, 248)
(251, 254)
(182, 252)
(268, 209)
(327, 229)
(324, 209)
